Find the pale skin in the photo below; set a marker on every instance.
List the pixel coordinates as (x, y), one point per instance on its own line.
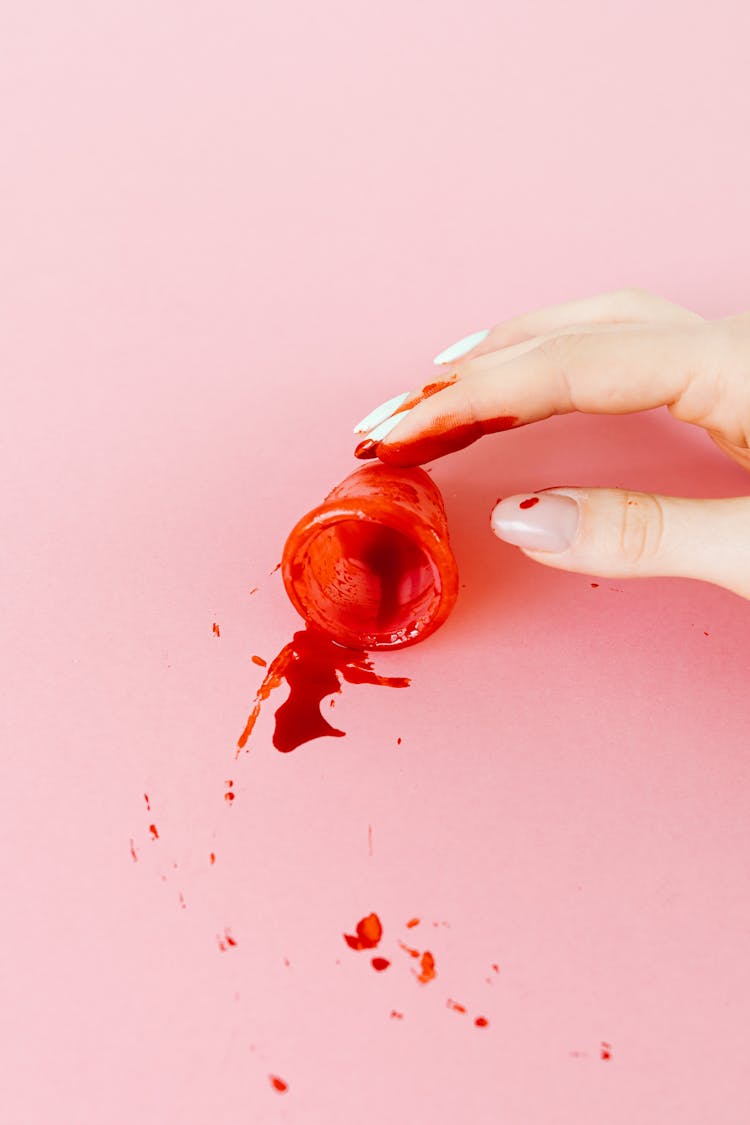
(616, 353)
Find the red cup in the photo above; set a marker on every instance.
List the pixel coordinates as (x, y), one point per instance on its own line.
(372, 566)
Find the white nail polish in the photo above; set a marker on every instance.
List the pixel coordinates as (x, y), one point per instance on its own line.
(542, 522)
(385, 427)
(380, 413)
(461, 347)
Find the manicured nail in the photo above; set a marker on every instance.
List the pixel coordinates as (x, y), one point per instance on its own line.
(547, 522)
(377, 433)
(366, 450)
(380, 413)
(461, 347)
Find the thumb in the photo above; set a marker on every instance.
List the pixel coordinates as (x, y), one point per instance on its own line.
(631, 534)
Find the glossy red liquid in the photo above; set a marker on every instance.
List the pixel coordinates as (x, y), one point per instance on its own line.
(428, 969)
(278, 1084)
(441, 438)
(379, 964)
(314, 666)
(369, 933)
(529, 503)
(480, 1021)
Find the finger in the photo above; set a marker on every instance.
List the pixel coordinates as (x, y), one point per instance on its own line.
(618, 307)
(613, 372)
(631, 534)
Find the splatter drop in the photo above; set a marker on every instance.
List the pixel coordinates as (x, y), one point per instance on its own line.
(532, 500)
(456, 1007)
(705, 634)
(606, 1050)
(154, 832)
(212, 858)
(133, 852)
(495, 968)
(229, 795)
(412, 923)
(594, 585)
(254, 590)
(369, 933)
(216, 630)
(428, 968)
(182, 901)
(259, 661)
(148, 803)
(407, 949)
(379, 964)
(398, 741)
(480, 1021)
(396, 1015)
(277, 567)
(278, 1083)
(226, 942)
(314, 666)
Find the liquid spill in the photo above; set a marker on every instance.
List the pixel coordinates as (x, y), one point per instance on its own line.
(428, 972)
(369, 933)
(313, 666)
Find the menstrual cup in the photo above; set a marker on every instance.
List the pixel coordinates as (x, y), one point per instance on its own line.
(372, 566)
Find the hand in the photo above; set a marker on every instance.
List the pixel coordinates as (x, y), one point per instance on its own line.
(612, 354)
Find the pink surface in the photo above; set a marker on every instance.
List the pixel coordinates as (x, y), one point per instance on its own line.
(227, 233)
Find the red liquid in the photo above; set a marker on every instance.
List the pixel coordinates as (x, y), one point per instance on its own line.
(444, 437)
(278, 1084)
(480, 1021)
(529, 503)
(369, 933)
(428, 969)
(311, 664)
(379, 964)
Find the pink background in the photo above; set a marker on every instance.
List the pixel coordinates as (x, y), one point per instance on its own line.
(227, 232)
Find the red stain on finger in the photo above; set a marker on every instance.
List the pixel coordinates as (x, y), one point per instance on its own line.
(529, 503)
(440, 438)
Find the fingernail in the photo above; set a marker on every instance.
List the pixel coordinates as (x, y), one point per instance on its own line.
(377, 433)
(547, 522)
(461, 347)
(366, 450)
(380, 413)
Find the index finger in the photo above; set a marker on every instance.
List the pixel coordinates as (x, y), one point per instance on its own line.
(618, 371)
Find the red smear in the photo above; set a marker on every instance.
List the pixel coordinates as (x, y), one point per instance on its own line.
(445, 436)
(705, 634)
(606, 1051)
(594, 585)
(153, 831)
(366, 450)
(428, 391)
(428, 969)
(278, 1084)
(148, 805)
(254, 590)
(133, 852)
(259, 661)
(379, 963)
(397, 1015)
(369, 933)
(529, 503)
(496, 968)
(412, 923)
(314, 666)
(456, 1007)
(230, 939)
(277, 567)
(411, 952)
(213, 858)
(480, 1021)
(216, 630)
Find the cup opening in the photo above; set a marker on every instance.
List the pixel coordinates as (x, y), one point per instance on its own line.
(368, 584)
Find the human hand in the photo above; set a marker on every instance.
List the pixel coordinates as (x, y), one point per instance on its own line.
(613, 354)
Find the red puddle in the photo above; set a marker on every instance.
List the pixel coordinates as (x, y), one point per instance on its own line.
(369, 933)
(313, 666)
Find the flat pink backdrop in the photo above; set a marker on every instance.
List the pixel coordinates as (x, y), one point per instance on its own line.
(227, 231)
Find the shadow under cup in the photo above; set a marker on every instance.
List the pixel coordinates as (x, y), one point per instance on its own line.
(372, 566)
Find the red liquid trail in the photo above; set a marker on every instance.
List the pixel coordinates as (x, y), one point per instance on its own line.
(314, 666)
(369, 933)
(444, 437)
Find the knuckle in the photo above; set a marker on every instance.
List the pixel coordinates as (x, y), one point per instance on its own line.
(641, 528)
